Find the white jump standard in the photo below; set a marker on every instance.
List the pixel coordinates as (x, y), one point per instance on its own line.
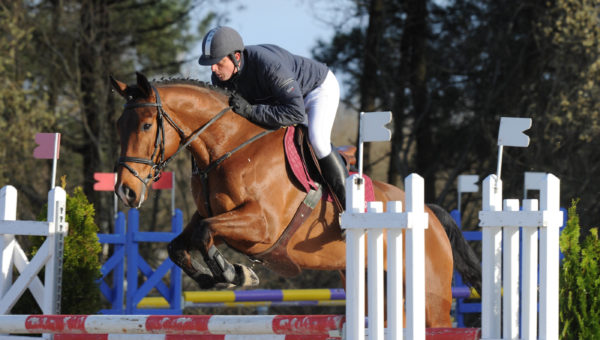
(501, 227)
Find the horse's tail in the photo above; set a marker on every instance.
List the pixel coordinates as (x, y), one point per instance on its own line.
(466, 262)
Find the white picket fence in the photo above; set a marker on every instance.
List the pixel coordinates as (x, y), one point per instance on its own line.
(358, 225)
(506, 314)
(12, 256)
(501, 302)
(509, 307)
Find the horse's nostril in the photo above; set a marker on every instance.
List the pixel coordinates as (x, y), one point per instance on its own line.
(128, 194)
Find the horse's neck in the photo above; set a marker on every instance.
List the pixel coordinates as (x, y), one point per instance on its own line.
(195, 110)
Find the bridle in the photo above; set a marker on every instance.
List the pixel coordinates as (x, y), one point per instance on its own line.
(159, 146)
(159, 141)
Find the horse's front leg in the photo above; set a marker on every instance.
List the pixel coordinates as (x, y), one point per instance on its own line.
(180, 253)
(236, 225)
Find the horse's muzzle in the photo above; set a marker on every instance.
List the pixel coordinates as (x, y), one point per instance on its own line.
(129, 197)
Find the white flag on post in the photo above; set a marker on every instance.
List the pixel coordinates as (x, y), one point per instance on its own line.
(511, 131)
(468, 183)
(372, 126)
(511, 134)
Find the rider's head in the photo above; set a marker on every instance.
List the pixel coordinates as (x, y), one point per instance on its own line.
(221, 50)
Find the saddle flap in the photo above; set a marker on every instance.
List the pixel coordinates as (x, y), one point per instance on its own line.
(306, 168)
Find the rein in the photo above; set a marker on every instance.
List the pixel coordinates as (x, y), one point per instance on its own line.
(159, 145)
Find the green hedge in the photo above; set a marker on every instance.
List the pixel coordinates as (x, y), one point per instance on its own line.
(579, 281)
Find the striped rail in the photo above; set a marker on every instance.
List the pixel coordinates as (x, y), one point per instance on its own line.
(270, 298)
(192, 327)
(307, 325)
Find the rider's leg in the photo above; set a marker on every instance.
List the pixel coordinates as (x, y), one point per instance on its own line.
(321, 106)
(335, 173)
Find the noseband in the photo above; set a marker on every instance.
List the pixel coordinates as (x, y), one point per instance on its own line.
(159, 141)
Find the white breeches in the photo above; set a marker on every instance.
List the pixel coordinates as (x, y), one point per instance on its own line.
(321, 107)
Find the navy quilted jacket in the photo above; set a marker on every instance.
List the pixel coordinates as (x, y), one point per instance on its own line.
(275, 82)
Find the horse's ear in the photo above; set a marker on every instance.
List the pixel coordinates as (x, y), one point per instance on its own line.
(144, 84)
(120, 87)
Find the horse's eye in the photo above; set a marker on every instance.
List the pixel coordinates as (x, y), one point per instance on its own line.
(146, 127)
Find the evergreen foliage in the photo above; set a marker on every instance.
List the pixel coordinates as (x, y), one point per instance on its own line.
(81, 262)
(579, 281)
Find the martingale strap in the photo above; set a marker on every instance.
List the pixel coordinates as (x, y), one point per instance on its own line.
(276, 257)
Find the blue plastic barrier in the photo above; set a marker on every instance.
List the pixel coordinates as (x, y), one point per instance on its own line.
(126, 242)
(115, 264)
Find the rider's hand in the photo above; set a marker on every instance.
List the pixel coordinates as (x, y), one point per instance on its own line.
(240, 105)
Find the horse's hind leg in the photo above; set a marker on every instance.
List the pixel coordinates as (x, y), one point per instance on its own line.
(180, 253)
(437, 311)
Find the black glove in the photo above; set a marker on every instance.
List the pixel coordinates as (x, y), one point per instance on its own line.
(240, 105)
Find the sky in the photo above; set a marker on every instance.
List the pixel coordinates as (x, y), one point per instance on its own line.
(295, 25)
(290, 24)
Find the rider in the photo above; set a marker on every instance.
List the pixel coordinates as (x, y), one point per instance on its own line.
(274, 88)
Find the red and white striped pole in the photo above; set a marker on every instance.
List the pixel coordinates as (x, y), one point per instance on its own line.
(330, 325)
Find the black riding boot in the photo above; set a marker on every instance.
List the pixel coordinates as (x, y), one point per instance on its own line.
(335, 173)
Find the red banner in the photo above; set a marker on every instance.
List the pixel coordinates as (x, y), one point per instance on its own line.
(105, 181)
(45, 148)
(165, 181)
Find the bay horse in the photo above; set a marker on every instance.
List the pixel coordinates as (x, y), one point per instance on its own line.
(245, 194)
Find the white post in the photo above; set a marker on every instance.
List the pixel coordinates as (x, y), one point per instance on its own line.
(53, 271)
(510, 276)
(54, 159)
(415, 257)
(395, 300)
(8, 212)
(375, 270)
(529, 274)
(549, 262)
(491, 262)
(355, 255)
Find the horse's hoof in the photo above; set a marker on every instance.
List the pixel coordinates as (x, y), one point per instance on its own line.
(245, 276)
(224, 285)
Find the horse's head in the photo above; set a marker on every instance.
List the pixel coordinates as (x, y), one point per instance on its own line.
(142, 137)
(159, 122)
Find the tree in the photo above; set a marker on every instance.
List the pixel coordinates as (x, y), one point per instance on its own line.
(82, 43)
(23, 107)
(563, 96)
(450, 70)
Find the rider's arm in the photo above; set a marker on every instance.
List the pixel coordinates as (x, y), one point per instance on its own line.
(286, 107)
